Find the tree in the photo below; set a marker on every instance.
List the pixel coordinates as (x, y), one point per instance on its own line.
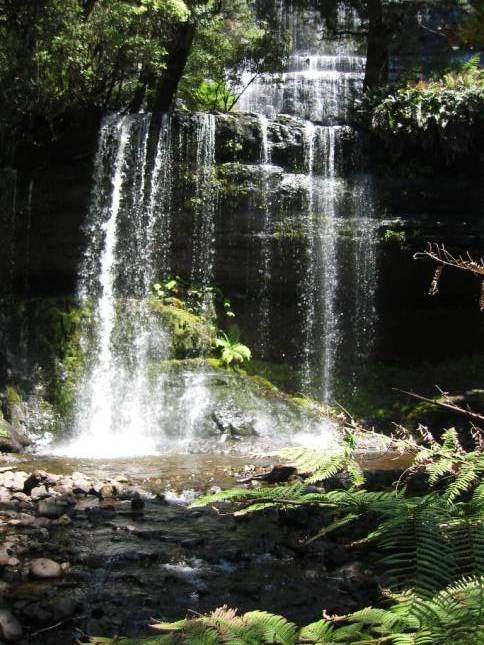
(59, 57)
(229, 52)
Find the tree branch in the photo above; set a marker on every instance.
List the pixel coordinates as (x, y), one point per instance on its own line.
(442, 404)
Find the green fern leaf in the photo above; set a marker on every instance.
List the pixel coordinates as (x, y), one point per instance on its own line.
(272, 628)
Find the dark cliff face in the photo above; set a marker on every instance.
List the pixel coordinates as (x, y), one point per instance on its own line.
(44, 210)
(417, 198)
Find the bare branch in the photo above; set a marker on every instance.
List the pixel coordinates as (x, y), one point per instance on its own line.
(438, 253)
(443, 404)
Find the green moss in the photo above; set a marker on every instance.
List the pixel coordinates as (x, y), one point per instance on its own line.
(233, 182)
(216, 363)
(56, 323)
(190, 334)
(289, 229)
(280, 375)
(13, 397)
(72, 358)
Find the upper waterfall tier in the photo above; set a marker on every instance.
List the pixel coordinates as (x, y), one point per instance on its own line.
(319, 88)
(324, 72)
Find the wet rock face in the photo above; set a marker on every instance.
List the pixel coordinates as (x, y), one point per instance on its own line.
(13, 437)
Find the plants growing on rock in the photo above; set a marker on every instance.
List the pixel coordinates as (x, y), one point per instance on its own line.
(449, 108)
(191, 307)
(232, 351)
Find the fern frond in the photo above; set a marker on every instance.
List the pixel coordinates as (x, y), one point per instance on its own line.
(320, 632)
(253, 508)
(469, 474)
(271, 628)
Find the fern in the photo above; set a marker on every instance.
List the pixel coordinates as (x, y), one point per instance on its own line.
(320, 632)
(271, 628)
(320, 466)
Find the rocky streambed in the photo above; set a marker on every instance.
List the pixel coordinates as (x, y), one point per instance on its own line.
(82, 555)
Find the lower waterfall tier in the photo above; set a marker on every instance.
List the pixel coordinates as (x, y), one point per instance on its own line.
(284, 216)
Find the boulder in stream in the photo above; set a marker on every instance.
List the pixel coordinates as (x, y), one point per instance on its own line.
(45, 568)
(10, 628)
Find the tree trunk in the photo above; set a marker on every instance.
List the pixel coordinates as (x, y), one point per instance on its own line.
(89, 7)
(167, 86)
(145, 79)
(376, 72)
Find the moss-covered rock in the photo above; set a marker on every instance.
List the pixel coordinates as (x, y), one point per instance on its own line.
(230, 409)
(190, 334)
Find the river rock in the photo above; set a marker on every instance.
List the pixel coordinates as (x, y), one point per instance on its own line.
(5, 494)
(33, 480)
(106, 491)
(7, 444)
(8, 439)
(39, 492)
(42, 522)
(52, 507)
(64, 520)
(8, 561)
(22, 520)
(81, 486)
(63, 489)
(45, 568)
(233, 424)
(21, 497)
(14, 481)
(134, 492)
(10, 628)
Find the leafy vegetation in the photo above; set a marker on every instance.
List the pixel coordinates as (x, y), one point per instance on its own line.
(437, 107)
(62, 60)
(232, 351)
(198, 310)
(228, 53)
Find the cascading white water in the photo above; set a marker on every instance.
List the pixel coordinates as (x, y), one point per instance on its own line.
(264, 311)
(118, 411)
(206, 201)
(319, 88)
(322, 336)
(322, 78)
(125, 405)
(158, 229)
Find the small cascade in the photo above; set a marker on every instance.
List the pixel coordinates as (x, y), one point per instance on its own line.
(118, 410)
(322, 334)
(323, 76)
(111, 406)
(159, 228)
(319, 88)
(206, 199)
(364, 269)
(264, 312)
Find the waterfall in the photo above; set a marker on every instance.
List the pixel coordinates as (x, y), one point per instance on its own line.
(319, 88)
(321, 334)
(322, 78)
(206, 199)
(123, 405)
(160, 202)
(118, 409)
(264, 312)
